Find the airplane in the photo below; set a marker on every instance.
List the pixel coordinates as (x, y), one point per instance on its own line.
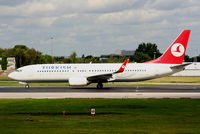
(84, 74)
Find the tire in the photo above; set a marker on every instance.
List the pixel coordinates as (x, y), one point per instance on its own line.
(27, 86)
(99, 86)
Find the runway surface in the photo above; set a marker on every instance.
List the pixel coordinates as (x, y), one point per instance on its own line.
(150, 88)
(155, 91)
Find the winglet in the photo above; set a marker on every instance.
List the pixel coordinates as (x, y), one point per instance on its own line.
(121, 69)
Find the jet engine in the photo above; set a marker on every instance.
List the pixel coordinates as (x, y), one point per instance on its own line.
(78, 81)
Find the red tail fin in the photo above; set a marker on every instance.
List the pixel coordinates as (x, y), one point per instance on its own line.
(176, 52)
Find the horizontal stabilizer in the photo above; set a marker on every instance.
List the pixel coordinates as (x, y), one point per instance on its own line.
(180, 66)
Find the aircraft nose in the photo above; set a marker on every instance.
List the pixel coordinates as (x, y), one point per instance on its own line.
(12, 75)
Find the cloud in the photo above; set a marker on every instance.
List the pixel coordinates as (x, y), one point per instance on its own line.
(108, 6)
(96, 26)
(32, 22)
(133, 17)
(30, 8)
(11, 3)
(170, 4)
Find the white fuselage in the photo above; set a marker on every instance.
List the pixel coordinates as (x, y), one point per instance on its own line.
(62, 72)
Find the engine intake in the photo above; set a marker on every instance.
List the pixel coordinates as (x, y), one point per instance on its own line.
(78, 81)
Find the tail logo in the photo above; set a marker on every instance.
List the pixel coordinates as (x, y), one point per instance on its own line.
(177, 50)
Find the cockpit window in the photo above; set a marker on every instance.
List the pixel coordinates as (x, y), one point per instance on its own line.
(18, 70)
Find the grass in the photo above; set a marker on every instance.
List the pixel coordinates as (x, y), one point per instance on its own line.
(176, 79)
(114, 116)
(5, 78)
(5, 81)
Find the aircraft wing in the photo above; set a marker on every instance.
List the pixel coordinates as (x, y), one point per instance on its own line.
(105, 77)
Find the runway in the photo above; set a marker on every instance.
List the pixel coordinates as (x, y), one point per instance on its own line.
(152, 91)
(143, 88)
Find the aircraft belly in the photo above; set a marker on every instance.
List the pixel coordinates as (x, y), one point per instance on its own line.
(132, 77)
(129, 77)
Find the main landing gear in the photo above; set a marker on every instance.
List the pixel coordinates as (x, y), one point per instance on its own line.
(100, 85)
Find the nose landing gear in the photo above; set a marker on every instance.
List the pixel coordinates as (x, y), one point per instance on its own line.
(27, 86)
(25, 83)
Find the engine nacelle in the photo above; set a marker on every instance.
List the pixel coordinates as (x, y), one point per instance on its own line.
(78, 81)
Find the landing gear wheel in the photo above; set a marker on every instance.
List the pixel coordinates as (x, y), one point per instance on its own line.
(100, 85)
(27, 86)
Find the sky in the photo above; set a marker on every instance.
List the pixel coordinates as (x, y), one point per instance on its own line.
(95, 27)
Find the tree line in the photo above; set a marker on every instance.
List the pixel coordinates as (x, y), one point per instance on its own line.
(27, 56)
